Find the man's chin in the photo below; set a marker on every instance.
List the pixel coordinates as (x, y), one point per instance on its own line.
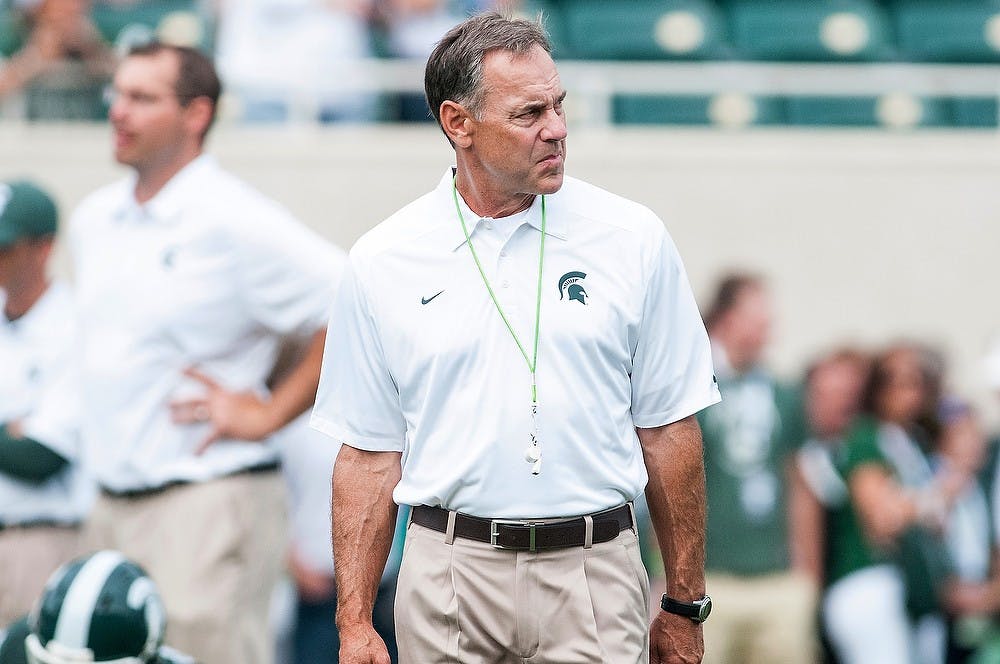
(550, 184)
(122, 157)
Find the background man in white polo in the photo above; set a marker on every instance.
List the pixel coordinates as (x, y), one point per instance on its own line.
(43, 494)
(515, 345)
(188, 280)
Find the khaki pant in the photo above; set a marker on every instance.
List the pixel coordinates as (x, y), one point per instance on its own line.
(27, 557)
(468, 603)
(768, 619)
(215, 550)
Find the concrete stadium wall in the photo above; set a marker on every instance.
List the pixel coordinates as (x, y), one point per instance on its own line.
(864, 236)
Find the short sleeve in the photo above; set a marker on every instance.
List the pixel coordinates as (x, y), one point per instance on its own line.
(357, 402)
(56, 419)
(672, 373)
(288, 272)
(861, 447)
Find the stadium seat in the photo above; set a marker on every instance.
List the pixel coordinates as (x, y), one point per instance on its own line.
(724, 110)
(173, 21)
(948, 30)
(553, 20)
(806, 30)
(975, 112)
(12, 32)
(895, 111)
(644, 29)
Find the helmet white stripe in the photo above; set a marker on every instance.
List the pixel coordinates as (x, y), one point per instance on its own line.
(73, 624)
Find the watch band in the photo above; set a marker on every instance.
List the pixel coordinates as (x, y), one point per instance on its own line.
(697, 610)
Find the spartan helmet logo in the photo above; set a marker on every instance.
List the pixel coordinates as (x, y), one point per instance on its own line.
(570, 286)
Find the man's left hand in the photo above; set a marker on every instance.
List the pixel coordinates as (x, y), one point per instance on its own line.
(234, 415)
(675, 639)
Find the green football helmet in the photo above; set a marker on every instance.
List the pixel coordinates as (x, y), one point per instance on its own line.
(12, 643)
(97, 608)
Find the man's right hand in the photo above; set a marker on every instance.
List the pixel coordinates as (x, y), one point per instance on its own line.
(362, 645)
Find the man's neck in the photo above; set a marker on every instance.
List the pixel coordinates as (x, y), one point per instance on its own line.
(153, 178)
(20, 300)
(489, 204)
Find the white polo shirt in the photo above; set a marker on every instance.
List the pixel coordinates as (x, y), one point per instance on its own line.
(208, 274)
(419, 361)
(35, 355)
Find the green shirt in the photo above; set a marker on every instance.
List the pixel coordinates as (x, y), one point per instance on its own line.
(747, 441)
(847, 549)
(921, 556)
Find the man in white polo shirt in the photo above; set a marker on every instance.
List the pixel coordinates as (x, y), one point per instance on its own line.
(188, 281)
(515, 352)
(43, 493)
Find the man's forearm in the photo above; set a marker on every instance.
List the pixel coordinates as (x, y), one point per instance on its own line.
(364, 519)
(676, 497)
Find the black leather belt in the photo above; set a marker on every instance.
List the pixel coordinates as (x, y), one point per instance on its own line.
(144, 492)
(38, 523)
(529, 534)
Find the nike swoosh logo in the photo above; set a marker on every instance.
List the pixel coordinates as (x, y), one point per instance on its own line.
(425, 300)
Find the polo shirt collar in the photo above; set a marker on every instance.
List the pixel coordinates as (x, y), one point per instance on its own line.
(168, 203)
(555, 224)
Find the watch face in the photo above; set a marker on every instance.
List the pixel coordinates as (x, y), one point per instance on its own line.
(704, 609)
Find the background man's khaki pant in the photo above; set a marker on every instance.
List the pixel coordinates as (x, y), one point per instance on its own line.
(469, 603)
(27, 557)
(768, 619)
(216, 550)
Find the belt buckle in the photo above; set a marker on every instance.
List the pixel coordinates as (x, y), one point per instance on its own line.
(495, 532)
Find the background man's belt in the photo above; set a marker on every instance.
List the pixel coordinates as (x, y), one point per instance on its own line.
(530, 534)
(38, 523)
(144, 492)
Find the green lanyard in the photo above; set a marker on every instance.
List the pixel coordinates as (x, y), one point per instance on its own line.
(533, 454)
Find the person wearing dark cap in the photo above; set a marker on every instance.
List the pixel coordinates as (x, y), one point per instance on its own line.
(43, 494)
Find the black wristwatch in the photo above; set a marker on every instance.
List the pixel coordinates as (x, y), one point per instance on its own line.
(697, 610)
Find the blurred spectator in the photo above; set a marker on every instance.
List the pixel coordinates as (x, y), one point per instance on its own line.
(834, 386)
(974, 600)
(833, 390)
(176, 356)
(974, 595)
(887, 565)
(64, 65)
(751, 563)
(412, 28)
(307, 464)
(43, 493)
(295, 58)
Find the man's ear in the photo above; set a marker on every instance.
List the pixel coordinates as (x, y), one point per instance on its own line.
(199, 115)
(457, 123)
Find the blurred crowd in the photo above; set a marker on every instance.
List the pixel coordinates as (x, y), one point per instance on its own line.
(853, 514)
(852, 517)
(277, 58)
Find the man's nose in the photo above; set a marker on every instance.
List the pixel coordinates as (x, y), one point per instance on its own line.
(555, 126)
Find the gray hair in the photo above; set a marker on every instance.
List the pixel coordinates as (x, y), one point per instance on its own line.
(455, 67)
